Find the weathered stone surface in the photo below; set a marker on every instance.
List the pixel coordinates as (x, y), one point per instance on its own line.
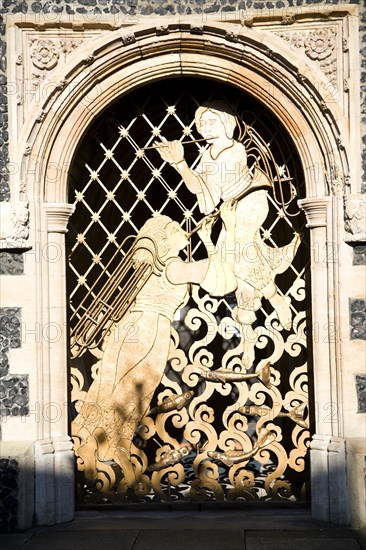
(358, 318)
(14, 394)
(11, 263)
(359, 255)
(361, 392)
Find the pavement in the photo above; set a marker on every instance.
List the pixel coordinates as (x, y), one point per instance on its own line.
(169, 529)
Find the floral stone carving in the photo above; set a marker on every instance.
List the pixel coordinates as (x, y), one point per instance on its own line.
(320, 44)
(44, 54)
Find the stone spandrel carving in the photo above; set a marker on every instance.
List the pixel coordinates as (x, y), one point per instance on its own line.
(223, 174)
(355, 218)
(68, 45)
(45, 54)
(319, 45)
(134, 360)
(38, 54)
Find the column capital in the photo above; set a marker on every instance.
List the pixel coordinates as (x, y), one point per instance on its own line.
(58, 215)
(315, 209)
(320, 442)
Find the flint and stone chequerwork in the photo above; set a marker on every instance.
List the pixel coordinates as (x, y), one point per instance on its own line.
(63, 64)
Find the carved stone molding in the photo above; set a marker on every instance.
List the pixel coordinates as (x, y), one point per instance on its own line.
(129, 38)
(315, 211)
(196, 29)
(355, 218)
(58, 215)
(164, 29)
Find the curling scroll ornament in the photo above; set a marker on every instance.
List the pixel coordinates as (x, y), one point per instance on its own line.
(216, 415)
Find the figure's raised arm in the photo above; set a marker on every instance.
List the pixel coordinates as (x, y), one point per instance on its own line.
(173, 153)
(213, 275)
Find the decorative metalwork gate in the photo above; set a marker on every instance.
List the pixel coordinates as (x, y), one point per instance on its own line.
(204, 439)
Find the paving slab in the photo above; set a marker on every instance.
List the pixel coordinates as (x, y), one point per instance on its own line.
(14, 541)
(82, 540)
(300, 541)
(194, 519)
(187, 539)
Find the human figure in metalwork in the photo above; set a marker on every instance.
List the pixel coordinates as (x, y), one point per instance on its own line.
(223, 174)
(136, 350)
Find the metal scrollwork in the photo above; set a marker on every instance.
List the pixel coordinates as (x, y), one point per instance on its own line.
(214, 381)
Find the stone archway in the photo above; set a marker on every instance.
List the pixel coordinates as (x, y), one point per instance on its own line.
(111, 66)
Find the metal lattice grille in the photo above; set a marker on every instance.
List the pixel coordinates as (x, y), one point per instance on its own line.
(117, 182)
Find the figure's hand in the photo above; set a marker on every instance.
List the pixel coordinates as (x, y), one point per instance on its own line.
(228, 214)
(204, 233)
(170, 151)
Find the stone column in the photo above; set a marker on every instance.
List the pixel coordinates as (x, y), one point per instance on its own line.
(316, 211)
(54, 458)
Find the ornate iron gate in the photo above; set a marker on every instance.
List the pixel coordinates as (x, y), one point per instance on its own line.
(204, 439)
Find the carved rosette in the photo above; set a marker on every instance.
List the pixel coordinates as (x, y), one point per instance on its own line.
(44, 54)
(320, 44)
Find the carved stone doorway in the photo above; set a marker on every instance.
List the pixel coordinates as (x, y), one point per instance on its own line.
(115, 189)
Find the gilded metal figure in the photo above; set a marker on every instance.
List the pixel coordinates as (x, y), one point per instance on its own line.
(297, 414)
(173, 403)
(265, 437)
(170, 458)
(226, 375)
(223, 175)
(136, 349)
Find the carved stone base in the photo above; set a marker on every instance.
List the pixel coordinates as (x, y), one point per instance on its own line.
(338, 480)
(54, 482)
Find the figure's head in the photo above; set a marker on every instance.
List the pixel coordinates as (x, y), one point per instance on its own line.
(167, 235)
(214, 119)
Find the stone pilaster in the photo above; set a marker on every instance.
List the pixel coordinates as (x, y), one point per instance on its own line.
(316, 211)
(328, 461)
(54, 466)
(57, 219)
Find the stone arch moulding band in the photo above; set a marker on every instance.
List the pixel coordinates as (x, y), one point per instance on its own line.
(120, 61)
